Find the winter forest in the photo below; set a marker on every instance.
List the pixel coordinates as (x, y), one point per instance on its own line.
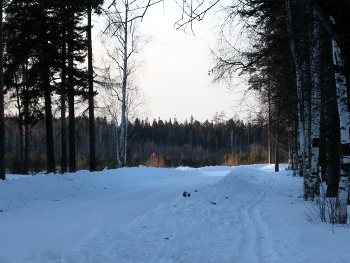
(60, 112)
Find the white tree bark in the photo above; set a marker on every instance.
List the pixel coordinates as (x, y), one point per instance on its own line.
(315, 107)
(342, 98)
(303, 107)
(122, 29)
(123, 133)
(2, 115)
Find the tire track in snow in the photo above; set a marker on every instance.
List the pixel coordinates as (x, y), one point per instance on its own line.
(254, 245)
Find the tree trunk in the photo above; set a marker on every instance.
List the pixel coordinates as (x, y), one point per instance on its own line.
(2, 119)
(71, 106)
(47, 96)
(269, 150)
(20, 148)
(63, 127)
(343, 191)
(25, 123)
(315, 106)
(302, 69)
(332, 127)
(298, 72)
(123, 139)
(51, 167)
(276, 155)
(23, 117)
(91, 96)
(26, 140)
(63, 100)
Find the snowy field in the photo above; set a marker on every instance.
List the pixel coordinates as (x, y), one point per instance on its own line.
(245, 214)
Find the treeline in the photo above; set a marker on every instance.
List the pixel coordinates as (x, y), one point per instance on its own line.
(158, 143)
(194, 143)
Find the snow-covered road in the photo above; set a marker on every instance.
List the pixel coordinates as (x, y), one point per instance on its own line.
(59, 211)
(139, 215)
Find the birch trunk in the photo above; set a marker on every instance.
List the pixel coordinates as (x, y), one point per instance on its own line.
(123, 141)
(2, 119)
(302, 128)
(315, 107)
(116, 136)
(342, 99)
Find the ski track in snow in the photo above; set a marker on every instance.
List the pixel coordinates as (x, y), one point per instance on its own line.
(254, 244)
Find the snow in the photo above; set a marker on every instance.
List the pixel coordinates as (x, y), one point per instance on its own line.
(229, 214)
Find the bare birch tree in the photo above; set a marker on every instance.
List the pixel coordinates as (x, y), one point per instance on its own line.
(125, 44)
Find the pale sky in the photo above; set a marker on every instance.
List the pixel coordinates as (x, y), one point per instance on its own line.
(174, 77)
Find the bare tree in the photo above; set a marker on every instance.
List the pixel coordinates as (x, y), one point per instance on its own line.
(110, 97)
(125, 45)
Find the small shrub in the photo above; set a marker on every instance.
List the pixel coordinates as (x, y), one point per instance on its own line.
(185, 160)
(37, 162)
(82, 162)
(322, 207)
(153, 161)
(101, 163)
(112, 162)
(134, 161)
(168, 161)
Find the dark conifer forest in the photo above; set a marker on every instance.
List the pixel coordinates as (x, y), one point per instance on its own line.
(160, 143)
